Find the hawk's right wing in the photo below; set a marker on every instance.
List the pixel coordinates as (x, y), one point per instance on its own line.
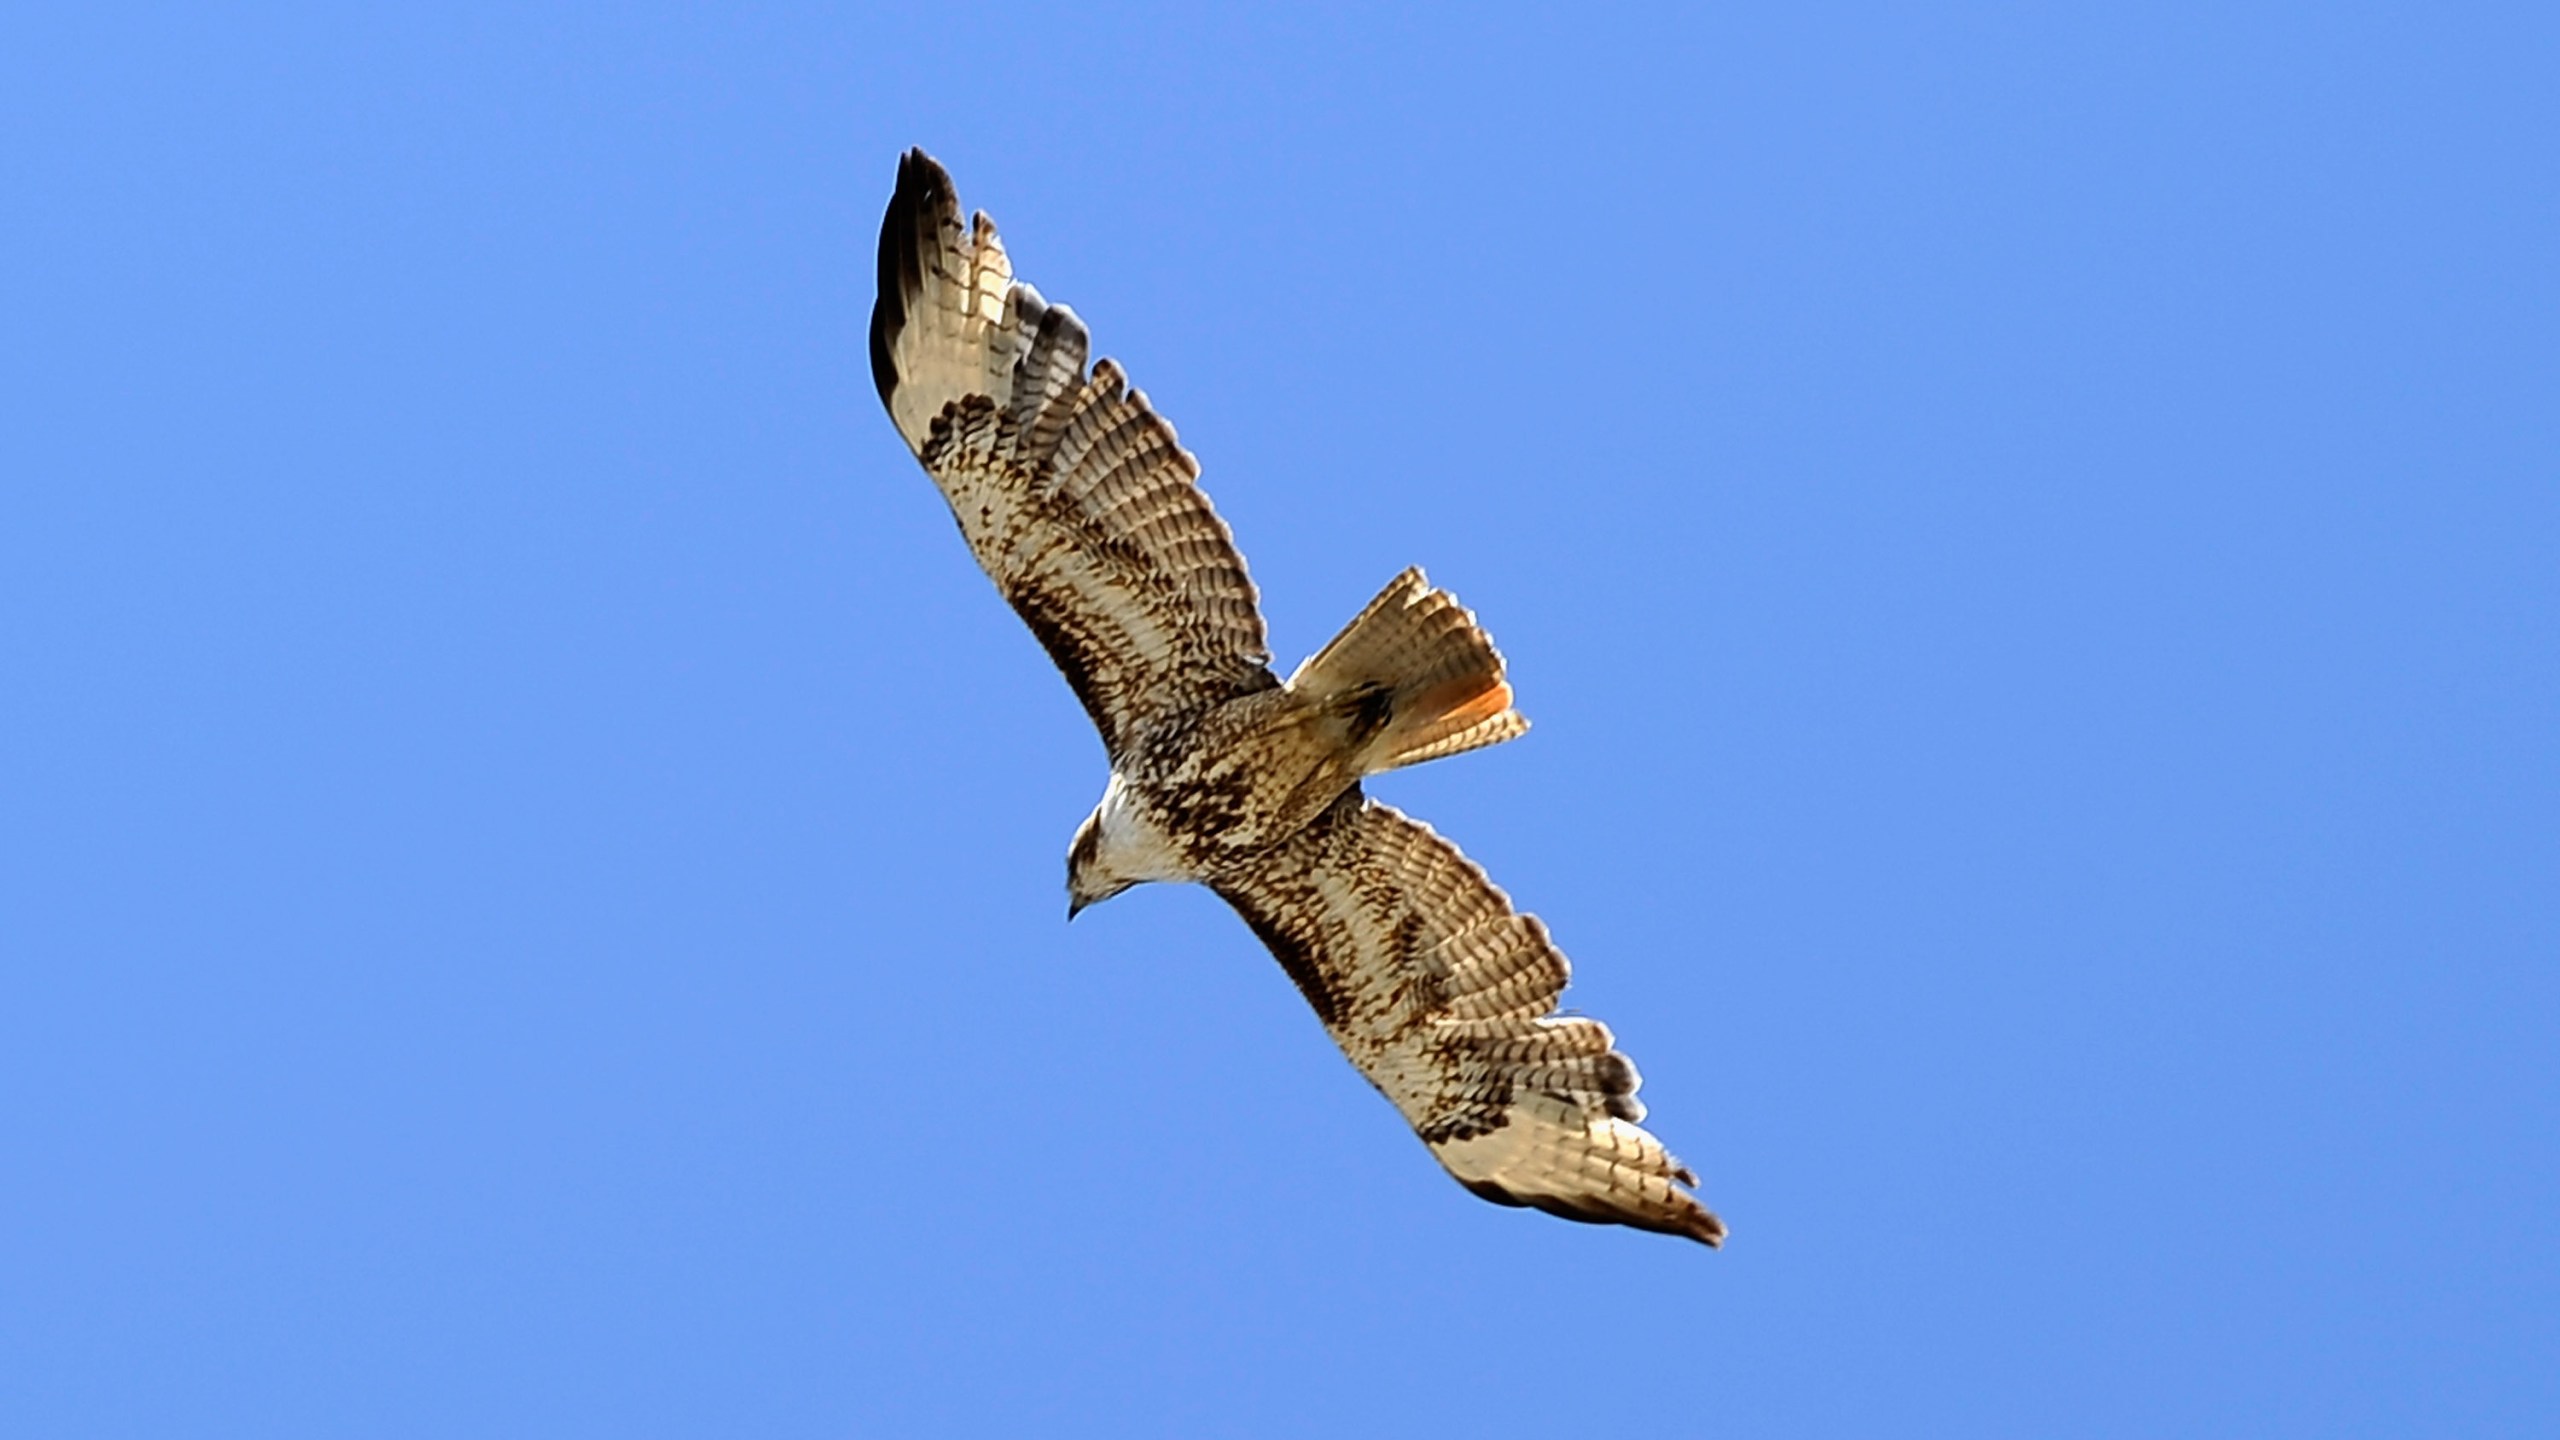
(1073, 494)
(1445, 997)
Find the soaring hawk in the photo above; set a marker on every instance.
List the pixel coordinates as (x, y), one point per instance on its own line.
(1085, 511)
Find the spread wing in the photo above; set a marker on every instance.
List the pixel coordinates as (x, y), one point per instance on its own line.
(1445, 997)
(1073, 494)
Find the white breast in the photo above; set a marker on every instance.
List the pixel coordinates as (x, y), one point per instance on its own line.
(1132, 845)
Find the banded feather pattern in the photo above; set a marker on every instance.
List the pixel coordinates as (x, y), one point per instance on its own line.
(1075, 496)
(1445, 997)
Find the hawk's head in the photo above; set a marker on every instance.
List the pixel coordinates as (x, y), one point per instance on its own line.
(1118, 846)
(1089, 881)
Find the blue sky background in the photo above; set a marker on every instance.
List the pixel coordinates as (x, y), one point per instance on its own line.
(532, 890)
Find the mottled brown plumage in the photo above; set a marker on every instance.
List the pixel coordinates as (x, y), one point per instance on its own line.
(1083, 508)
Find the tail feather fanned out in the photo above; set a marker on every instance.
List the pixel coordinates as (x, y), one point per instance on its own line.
(1415, 677)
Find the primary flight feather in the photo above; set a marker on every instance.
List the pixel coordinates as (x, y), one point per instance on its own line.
(1086, 512)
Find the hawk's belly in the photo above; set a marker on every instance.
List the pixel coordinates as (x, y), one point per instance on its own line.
(1249, 776)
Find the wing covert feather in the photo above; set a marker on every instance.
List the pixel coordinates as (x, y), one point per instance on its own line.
(1444, 996)
(1072, 492)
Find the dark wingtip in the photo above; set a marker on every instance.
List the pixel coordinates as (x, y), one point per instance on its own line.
(1697, 1223)
(924, 190)
(1709, 1231)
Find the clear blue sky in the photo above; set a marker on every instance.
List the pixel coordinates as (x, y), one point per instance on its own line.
(533, 880)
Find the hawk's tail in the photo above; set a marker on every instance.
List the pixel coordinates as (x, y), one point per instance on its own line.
(1414, 677)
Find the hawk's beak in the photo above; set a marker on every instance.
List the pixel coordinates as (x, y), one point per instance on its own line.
(1075, 906)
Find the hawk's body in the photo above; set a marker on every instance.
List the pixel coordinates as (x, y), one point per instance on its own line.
(1082, 507)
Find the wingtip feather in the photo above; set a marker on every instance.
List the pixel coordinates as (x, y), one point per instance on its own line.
(924, 192)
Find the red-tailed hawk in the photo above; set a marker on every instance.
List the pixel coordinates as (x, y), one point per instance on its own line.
(1084, 510)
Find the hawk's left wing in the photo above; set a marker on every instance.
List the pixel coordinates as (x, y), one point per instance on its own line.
(1071, 490)
(1445, 997)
